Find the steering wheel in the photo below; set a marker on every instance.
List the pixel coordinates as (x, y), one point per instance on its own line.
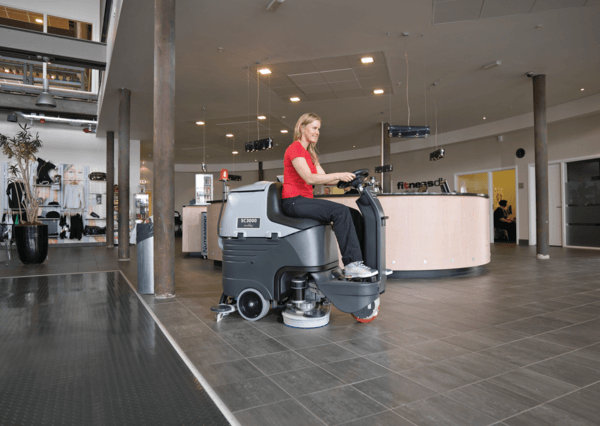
(360, 174)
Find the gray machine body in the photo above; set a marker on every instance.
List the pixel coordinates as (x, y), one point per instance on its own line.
(264, 249)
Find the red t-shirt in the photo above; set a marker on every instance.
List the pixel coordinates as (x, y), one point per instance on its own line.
(293, 184)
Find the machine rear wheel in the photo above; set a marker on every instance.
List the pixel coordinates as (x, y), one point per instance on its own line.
(251, 305)
(368, 313)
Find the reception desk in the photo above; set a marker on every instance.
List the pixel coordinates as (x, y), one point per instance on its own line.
(426, 234)
(433, 234)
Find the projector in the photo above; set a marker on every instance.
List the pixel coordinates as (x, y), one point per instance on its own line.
(259, 145)
(408, 131)
(437, 155)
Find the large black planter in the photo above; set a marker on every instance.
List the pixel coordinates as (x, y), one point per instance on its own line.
(32, 243)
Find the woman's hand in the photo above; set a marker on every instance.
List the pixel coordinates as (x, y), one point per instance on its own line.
(345, 176)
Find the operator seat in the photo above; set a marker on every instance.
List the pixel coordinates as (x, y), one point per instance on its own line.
(275, 213)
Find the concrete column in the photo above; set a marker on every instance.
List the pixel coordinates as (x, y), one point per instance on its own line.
(541, 165)
(386, 177)
(124, 160)
(110, 195)
(164, 148)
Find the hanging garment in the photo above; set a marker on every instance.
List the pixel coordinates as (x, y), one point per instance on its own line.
(76, 227)
(16, 195)
(73, 197)
(64, 227)
(43, 171)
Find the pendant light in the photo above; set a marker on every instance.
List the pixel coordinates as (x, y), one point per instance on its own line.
(45, 99)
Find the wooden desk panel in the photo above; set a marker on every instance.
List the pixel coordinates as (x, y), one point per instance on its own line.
(191, 231)
(429, 232)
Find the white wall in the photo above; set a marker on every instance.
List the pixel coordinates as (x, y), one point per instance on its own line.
(63, 144)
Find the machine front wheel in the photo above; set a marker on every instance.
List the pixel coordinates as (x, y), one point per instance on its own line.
(251, 305)
(368, 313)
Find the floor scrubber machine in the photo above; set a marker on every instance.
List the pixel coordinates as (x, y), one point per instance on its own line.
(271, 260)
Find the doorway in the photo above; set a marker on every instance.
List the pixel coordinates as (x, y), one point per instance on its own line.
(499, 185)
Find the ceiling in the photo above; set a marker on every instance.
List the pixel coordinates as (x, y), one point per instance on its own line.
(448, 44)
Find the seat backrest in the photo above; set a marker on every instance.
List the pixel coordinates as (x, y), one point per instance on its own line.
(275, 213)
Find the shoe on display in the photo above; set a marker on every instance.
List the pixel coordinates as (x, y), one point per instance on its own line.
(389, 272)
(359, 270)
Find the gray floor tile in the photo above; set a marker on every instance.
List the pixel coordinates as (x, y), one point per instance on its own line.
(367, 345)
(289, 413)
(433, 332)
(440, 410)
(524, 352)
(394, 390)
(387, 418)
(479, 365)
(260, 347)
(437, 350)
(546, 415)
(569, 315)
(588, 357)
(340, 405)
(529, 326)
(504, 336)
(340, 333)
(471, 342)
(306, 380)
(439, 377)
(213, 355)
(356, 370)
(280, 362)
(169, 310)
(229, 372)
(583, 403)
(536, 386)
(242, 336)
(250, 393)
(302, 341)
(403, 338)
(399, 359)
(492, 400)
(326, 353)
(200, 341)
(566, 371)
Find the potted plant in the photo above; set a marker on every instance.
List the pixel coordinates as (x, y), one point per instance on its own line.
(31, 236)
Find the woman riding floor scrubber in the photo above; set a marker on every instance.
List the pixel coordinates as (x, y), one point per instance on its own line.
(273, 260)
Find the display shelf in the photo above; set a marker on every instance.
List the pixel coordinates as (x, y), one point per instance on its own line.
(95, 218)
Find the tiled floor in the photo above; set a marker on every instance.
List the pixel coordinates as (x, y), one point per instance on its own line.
(516, 345)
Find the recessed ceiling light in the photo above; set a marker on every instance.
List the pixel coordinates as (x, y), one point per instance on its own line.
(484, 118)
(39, 21)
(261, 117)
(264, 71)
(200, 123)
(284, 131)
(229, 135)
(234, 152)
(378, 91)
(367, 60)
(295, 99)
(582, 89)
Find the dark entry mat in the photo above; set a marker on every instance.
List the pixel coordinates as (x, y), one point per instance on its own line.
(83, 350)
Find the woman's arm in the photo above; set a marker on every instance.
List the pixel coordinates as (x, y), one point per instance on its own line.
(321, 177)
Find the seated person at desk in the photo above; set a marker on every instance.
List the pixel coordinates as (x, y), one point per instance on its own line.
(501, 221)
(301, 169)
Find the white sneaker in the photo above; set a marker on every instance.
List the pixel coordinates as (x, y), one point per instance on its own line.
(358, 270)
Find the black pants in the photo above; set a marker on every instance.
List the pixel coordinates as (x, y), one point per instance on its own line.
(326, 212)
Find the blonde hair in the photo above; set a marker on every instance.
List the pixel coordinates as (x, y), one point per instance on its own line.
(305, 120)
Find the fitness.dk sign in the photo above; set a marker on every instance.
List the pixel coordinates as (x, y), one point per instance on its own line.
(417, 185)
